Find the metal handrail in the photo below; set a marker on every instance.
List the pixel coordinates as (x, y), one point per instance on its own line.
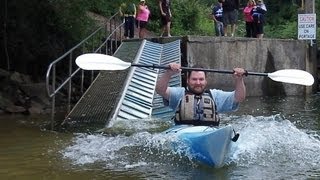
(51, 75)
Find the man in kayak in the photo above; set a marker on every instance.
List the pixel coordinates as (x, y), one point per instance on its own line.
(195, 104)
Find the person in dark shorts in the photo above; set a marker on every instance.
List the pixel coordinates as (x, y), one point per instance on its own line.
(230, 16)
(258, 15)
(142, 18)
(128, 12)
(166, 15)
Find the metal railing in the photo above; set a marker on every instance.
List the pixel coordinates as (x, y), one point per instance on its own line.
(62, 71)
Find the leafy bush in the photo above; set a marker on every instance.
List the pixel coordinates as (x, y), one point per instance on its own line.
(71, 17)
(45, 29)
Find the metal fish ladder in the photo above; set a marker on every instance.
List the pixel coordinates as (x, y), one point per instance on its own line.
(139, 99)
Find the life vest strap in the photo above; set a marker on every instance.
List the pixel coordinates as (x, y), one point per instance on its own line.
(197, 122)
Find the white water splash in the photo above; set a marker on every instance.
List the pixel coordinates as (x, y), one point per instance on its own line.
(266, 144)
(274, 142)
(138, 149)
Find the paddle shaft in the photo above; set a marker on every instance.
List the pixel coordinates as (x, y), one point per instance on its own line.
(105, 62)
(154, 66)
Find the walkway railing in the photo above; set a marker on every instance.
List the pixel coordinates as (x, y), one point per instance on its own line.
(62, 72)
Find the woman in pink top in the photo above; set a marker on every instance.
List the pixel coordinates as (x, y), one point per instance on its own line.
(142, 18)
(250, 32)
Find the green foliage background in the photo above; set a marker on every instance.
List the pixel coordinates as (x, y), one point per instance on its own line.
(191, 17)
(38, 31)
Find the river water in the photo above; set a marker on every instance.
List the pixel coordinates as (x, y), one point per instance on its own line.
(279, 139)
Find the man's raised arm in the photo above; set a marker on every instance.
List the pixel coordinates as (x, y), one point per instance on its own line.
(162, 84)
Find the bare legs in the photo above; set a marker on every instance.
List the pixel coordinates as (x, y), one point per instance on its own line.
(233, 30)
(166, 28)
(142, 33)
(234, 26)
(260, 36)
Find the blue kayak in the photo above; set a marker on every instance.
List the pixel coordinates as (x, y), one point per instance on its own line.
(209, 145)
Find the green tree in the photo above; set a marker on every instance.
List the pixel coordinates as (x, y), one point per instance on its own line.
(38, 31)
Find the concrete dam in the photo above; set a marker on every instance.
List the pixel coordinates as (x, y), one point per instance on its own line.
(256, 55)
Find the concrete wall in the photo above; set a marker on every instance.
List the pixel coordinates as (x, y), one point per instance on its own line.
(254, 55)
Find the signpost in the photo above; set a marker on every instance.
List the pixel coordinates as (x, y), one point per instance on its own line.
(307, 26)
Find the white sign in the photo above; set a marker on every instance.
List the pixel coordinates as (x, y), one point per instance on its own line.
(307, 26)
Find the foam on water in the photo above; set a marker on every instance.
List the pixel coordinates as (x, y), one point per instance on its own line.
(266, 142)
(132, 147)
(273, 141)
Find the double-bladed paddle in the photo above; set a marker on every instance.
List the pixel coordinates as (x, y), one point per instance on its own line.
(94, 61)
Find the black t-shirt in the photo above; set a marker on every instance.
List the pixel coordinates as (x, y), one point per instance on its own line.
(230, 5)
(165, 4)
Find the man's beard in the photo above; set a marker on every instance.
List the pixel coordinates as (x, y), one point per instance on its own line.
(195, 92)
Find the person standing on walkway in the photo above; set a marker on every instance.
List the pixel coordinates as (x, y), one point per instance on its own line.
(230, 16)
(142, 18)
(258, 13)
(249, 19)
(128, 12)
(164, 6)
(217, 16)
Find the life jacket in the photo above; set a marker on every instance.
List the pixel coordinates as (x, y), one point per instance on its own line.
(197, 110)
